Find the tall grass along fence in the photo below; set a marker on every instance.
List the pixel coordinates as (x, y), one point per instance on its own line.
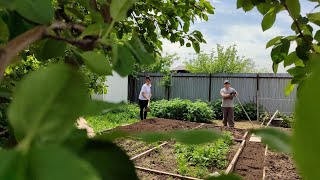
(266, 90)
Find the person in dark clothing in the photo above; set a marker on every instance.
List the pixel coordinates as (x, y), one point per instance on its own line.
(144, 98)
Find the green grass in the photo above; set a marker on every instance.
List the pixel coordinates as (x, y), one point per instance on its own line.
(126, 115)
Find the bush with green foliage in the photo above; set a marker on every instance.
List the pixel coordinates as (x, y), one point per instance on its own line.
(182, 110)
(287, 119)
(194, 160)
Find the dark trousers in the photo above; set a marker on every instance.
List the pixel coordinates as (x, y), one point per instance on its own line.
(228, 116)
(143, 105)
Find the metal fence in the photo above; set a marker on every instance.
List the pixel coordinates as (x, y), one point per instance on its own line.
(263, 89)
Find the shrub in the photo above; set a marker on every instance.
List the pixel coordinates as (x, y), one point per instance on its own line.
(286, 123)
(182, 110)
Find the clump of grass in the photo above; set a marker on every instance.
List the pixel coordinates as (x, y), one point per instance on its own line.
(127, 114)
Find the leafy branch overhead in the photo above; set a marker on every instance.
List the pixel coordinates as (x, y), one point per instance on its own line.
(306, 39)
(98, 26)
(67, 36)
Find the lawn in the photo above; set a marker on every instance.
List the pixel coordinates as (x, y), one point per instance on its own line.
(127, 114)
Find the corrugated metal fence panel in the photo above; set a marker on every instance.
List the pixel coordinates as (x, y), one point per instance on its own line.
(192, 88)
(196, 86)
(246, 87)
(272, 97)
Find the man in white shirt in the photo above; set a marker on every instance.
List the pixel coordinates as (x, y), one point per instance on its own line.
(227, 94)
(144, 98)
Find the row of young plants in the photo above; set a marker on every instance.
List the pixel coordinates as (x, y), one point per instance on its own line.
(198, 111)
(196, 160)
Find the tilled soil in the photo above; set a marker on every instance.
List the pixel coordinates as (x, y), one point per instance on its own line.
(250, 163)
(280, 166)
(134, 147)
(153, 176)
(164, 159)
(237, 133)
(158, 124)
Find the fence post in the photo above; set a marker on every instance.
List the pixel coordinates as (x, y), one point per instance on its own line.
(210, 87)
(257, 97)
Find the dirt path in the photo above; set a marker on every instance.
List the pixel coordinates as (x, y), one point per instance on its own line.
(83, 124)
(250, 163)
(280, 166)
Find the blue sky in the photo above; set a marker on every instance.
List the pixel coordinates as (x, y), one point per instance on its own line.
(230, 26)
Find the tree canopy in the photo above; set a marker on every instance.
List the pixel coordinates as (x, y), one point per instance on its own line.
(221, 60)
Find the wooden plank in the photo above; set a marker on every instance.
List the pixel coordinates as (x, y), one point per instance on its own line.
(274, 115)
(165, 173)
(235, 158)
(264, 162)
(148, 151)
(245, 135)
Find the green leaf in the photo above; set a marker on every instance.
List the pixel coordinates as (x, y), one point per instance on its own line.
(39, 11)
(52, 49)
(225, 177)
(317, 36)
(97, 63)
(11, 166)
(5, 92)
(263, 8)
(95, 107)
(247, 5)
(186, 26)
(306, 148)
(275, 67)
(280, 51)
(274, 41)
(181, 42)
(7, 4)
(47, 102)
(139, 51)
(119, 9)
(188, 45)
(289, 88)
(315, 18)
(291, 59)
(205, 17)
(297, 71)
(196, 46)
(109, 160)
(294, 8)
(276, 139)
(52, 162)
(186, 137)
(268, 21)
(122, 59)
(239, 4)
(74, 12)
(4, 31)
(97, 29)
(299, 63)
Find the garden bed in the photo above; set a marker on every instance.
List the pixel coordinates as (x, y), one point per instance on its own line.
(158, 124)
(279, 166)
(134, 147)
(165, 159)
(251, 161)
